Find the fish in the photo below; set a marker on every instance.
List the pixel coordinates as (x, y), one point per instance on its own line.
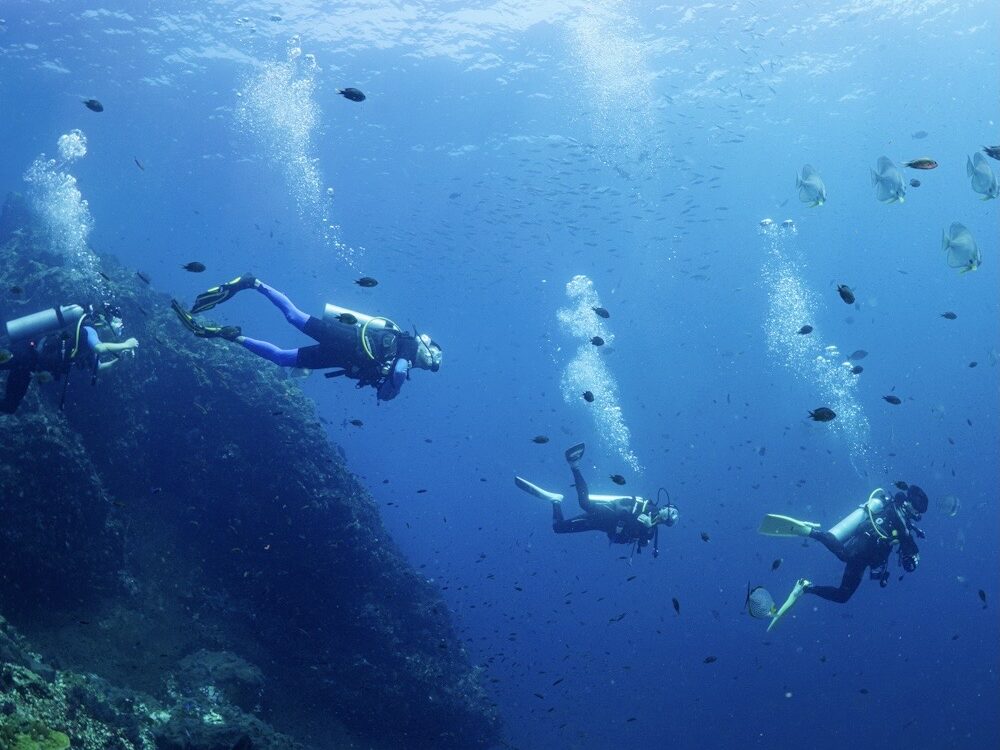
(367, 282)
(949, 315)
(705, 537)
(961, 248)
(982, 597)
(984, 181)
(93, 105)
(6, 355)
(710, 659)
(822, 414)
(356, 422)
(973, 364)
(992, 151)
(920, 134)
(540, 439)
(347, 318)
(138, 164)
(805, 330)
(914, 182)
(588, 397)
(597, 341)
(924, 162)
(144, 278)
(857, 370)
(901, 485)
(677, 604)
(355, 95)
(776, 564)
(618, 479)
(858, 355)
(44, 377)
(894, 400)
(194, 267)
(15, 291)
(810, 185)
(845, 293)
(601, 312)
(888, 182)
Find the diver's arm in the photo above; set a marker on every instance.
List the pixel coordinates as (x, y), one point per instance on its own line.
(393, 383)
(104, 365)
(113, 347)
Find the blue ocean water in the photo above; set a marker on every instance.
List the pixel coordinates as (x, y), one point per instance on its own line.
(505, 149)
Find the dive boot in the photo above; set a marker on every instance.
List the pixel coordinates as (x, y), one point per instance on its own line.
(575, 453)
(219, 294)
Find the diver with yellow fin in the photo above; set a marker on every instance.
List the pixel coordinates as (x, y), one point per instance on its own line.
(368, 348)
(626, 519)
(863, 539)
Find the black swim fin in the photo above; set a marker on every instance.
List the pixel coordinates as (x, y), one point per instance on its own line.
(219, 294)
(230, 333)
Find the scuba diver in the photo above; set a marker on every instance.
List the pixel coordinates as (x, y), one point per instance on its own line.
(52, 341)
(626, 519)
(368, 348)
(863, 539)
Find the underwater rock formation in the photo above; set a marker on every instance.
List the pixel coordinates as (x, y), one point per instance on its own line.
(190, 499)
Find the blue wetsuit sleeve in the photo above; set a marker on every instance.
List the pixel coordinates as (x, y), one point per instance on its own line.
(90, 339)
(394, 383)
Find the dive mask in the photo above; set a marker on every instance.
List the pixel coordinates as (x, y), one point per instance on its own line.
(428, 353)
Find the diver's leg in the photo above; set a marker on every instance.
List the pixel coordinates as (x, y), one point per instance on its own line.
(17, 385)
(582, 493)
(292, 314)
(561, 525)
(831, 542)
(267, 350)
(853, 574)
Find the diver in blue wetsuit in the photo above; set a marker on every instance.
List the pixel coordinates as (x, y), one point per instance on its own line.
(55, 340)
(370, 349)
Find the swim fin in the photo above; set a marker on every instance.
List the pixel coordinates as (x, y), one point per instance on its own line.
(219, 294)
(230, 333)
(800, 586)
(575, 453)
(775, 525)
(534, 489)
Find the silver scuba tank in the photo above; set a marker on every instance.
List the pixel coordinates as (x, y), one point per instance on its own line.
(44, 322)
(847, 527)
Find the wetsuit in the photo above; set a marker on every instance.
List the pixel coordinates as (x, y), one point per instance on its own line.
(338, 345)
(618, 519)
(45, 355)
(867, 548)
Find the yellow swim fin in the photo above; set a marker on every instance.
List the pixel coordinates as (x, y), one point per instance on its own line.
(775, 525)
(800, 586)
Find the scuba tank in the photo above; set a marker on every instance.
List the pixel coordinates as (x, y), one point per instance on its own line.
(847, 527)
(44, 322)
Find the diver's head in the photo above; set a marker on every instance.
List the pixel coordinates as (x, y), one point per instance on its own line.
(111, 316)
(428, 354)
(667, 515)
(914, 503)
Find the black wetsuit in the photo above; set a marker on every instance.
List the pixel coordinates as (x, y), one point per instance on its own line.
(866, 549)
(618, 519)
(50, 355)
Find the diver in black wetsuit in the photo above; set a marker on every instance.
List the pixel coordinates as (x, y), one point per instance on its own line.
(626, 519)
(885, 524)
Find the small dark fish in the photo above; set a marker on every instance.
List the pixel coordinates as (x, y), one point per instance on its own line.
(919, 135)
(992, 151)
(453, 196)
(618, 479)
(540, 439)
(354, 95)
(901, 485)
(845, 293)
(705, 537)
(277, 412)
(857, 370)
(973, 364)
(949, 315)
(43, 376)
(367, 282)
(914, 182)
(588, 397)
(558, 681)
(93, 105)
(863, 691)
(982, 597)
(356, 422)
(677, 604)
(858, 355)
(194, 267)
(144, 278)
(631, 578)
(16, 290)
(776, 564)
(597, 341)
(629, 719)
(921, 163)
(710, 659)
(894, 400)
(347, 318)
(805, 330)
(822, 414)
(601, 312)
(104, 276)
(138, 164)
